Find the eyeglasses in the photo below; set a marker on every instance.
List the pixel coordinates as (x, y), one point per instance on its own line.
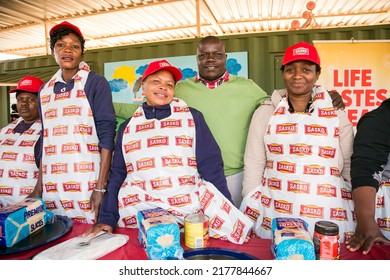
(28, 100)
(215, 55)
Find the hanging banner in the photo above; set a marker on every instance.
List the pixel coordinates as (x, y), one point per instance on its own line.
(358, 70)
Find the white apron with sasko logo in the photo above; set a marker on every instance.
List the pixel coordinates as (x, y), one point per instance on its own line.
(302, 179)
(162, 172)
(18, 170)
(71, 159)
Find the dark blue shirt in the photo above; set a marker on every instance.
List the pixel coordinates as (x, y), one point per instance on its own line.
(208, 158)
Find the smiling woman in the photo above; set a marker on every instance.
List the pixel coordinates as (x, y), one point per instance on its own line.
(158, 83)
(82, 99)
(166, 156)
(298, 152)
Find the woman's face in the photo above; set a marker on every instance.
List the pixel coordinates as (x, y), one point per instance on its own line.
(67, 52)
(159, 88)
(300, 77)
(27, 105)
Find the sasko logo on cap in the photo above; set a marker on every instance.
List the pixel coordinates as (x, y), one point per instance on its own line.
(26, 83)
(164, 64)
(301, 51)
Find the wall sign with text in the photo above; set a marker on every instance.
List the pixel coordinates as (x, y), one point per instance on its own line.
(358, 70)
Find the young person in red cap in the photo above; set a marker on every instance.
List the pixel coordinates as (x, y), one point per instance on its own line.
(166, 156)
(20, 145)
(298, 151)
(79, 129)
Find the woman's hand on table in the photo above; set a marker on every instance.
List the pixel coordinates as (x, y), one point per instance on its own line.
(92, 231)
(366, 234)
(96, 201)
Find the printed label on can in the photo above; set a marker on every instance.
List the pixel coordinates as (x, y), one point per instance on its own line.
(326, 247)
(196, 230)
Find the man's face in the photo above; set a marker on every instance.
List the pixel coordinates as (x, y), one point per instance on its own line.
(211, 58)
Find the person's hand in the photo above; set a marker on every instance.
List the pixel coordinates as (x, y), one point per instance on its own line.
(366, 233)
(337, 100)
(92, 231)
(96, 200)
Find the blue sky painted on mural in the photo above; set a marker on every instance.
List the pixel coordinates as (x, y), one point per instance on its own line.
(125, 77)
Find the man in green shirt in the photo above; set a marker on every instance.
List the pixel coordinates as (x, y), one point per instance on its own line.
(227, 103)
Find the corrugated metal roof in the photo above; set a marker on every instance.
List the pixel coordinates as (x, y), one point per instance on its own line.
(24, 24)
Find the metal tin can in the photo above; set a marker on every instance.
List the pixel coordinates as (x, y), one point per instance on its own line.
(326, 241)
(196, 230)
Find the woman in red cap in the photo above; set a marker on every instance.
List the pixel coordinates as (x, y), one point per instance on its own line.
(166, 156)
(19, 144)
(79, 129)
(298, 151)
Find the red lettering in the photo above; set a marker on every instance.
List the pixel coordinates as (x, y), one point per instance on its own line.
(359, 95)
(370, 97)
(352, 116)
(363, 97)
(346, 97)
(381, 95)
(366, 77)
(352, 78)
(336, 82)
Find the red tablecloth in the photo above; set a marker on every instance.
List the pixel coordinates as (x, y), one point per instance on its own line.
(257, 247)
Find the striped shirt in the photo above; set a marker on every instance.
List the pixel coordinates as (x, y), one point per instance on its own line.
(215, 83)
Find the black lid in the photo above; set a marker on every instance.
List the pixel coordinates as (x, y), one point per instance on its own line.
(326, 228)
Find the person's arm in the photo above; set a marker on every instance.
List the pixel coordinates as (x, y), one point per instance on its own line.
(367, 230)
(346, 144)
(99, 96)
(108, 212)
(255, 156)
(208, 155)
(337, 100)
(125, 110)
(262, 95)
(370, 154)
(100, 99)
(98, 194)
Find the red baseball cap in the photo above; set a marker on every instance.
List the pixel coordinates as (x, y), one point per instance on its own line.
(68, 25)
(158, 65)
(29, 84)
(301, 51)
